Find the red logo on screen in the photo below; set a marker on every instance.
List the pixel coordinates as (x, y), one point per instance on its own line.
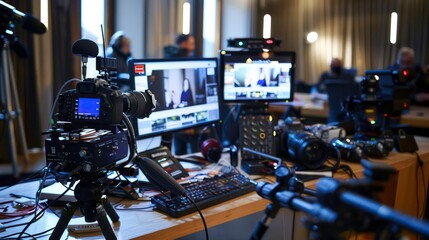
(139, 69)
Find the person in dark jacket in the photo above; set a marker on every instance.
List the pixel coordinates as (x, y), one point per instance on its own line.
(184, 48)
(120, 48)
(336, 72)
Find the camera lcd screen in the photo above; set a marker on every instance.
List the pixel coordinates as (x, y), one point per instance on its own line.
(88, 108)
(186, 91)
(256, 76)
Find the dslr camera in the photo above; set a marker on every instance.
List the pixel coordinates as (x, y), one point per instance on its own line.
(300, 146)
(92, 130)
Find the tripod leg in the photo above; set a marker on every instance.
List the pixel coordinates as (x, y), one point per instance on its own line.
(66, 215)
(15, 100)
(8, 115)
(270, 213)
(109, 209)
(105, 226)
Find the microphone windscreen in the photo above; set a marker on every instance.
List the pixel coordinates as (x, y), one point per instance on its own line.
(33, 24)
(18, 48)
(85, 47)
(157, 175)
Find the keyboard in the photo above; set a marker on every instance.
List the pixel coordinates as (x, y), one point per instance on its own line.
(205, 193)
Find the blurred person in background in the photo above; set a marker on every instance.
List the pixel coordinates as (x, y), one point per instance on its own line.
(406, 59)
(336, 72)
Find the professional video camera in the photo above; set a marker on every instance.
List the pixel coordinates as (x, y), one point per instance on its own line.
(88, 135)
(385, 95)
(300, 146)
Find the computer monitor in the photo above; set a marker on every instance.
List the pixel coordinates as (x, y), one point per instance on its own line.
(186, 91)
(249, 76)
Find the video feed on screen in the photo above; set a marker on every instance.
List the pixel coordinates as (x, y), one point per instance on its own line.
(252, 77)
(185, 90)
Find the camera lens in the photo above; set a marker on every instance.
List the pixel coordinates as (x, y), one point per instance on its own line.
(349, 150)
(306, 149)
(139, 104)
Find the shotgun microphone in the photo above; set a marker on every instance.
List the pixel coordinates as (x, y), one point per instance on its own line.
(156, 175)
(27, 21)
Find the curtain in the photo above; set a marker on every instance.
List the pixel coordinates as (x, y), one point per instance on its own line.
(66, 29)
(161, 26)
(44, 71)
(163, 22)
(357, 32)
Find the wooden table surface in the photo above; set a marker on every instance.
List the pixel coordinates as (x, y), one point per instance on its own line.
(148, 224)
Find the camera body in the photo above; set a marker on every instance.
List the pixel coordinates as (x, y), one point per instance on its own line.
(300, 146)
(94, 101)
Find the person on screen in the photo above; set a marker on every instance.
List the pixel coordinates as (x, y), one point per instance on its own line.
(262, 82)
(186, 99)
(405, 59)
(120, 48)
(336, 72)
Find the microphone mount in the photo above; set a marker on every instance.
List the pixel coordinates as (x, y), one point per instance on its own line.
(85, 48)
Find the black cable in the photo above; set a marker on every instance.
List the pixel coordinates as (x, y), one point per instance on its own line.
(348, 170)
(33, 236)
(23, 180)
(201, 215)
(27, 235)
(41, 233)
(39, 190)
(19, 224)
(44, 209)
(225, 121)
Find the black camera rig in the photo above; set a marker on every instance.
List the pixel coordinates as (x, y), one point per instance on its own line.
(90, 135)
(336, 207)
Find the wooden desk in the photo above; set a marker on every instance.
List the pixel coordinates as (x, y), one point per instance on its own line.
(148, 224)
(303, 101)
(418, 116)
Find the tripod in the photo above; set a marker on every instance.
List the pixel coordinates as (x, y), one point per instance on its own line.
(93, 205)
(10, 107)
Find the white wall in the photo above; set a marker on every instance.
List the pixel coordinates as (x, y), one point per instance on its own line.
(129, 16)
(236, 20)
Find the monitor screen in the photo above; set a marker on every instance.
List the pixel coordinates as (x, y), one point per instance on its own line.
(256, 76)
(186, 91)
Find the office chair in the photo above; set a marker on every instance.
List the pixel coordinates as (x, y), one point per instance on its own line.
(338, 90)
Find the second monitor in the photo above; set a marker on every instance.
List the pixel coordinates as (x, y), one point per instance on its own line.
(185, 90)
(261, 76)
